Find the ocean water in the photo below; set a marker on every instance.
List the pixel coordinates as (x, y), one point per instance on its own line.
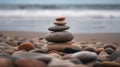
(81, 18)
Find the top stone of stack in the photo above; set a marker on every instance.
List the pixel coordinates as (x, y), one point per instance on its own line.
(60, 21)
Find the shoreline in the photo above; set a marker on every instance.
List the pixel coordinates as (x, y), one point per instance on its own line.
(100, 37)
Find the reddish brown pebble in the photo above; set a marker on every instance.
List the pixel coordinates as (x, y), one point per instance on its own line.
(99, 50)
(60, 18)
(26, 46)
(29, 63)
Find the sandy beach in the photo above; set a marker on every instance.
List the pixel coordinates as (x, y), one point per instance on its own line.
(100, 37)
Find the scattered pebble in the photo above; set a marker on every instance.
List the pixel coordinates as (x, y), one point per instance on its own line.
(109, 50)
(26, 46)
(85, 56)
(103, 56)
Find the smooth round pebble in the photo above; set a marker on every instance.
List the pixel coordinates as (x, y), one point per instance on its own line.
(59, 37)
(26, 46)
(85, 56)
(109, 50)
(60, 63)
(99, 50)
(104, 56)
(58, 28)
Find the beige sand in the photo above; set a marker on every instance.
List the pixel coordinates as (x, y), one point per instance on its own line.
(102, 37)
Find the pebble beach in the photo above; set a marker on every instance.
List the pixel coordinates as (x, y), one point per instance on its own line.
(35, 49)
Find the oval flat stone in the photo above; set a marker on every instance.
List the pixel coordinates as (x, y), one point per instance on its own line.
(58, 28)
(59, 37)
(60, 23)
(60, 19)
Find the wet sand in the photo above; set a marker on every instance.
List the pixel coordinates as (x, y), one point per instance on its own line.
(101, 37)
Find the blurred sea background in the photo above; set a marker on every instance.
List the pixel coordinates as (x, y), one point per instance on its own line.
(82, 18)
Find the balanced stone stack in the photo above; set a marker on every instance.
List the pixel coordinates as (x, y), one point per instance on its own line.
(59, 33)
(60, 39)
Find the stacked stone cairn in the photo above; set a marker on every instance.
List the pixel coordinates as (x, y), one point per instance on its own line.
(59, 33)
(59, 39)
